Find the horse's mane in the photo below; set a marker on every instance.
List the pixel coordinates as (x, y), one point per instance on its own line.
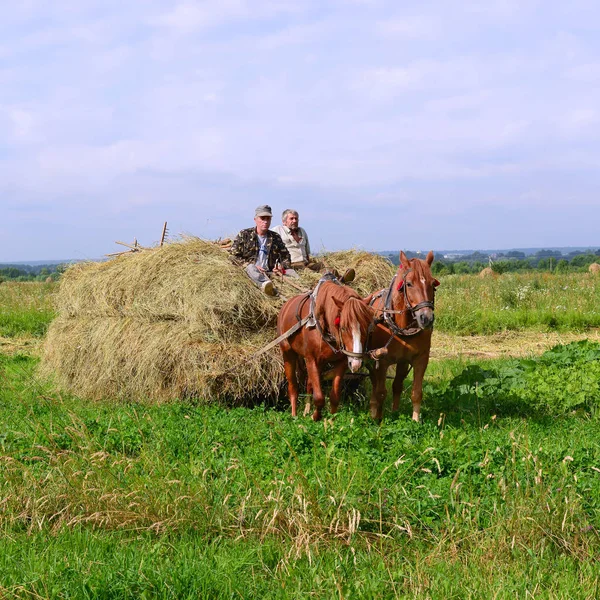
(355, 309)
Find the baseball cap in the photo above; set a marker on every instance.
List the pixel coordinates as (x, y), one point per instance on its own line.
(264, 210)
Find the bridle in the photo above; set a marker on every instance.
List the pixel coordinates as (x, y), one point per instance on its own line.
(330, 340)
(387, 311)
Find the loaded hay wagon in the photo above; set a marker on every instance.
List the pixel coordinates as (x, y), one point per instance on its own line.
(177, 321)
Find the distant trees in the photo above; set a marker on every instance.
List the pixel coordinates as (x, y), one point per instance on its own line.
(510, 262)
(30, 272)
(548, 253)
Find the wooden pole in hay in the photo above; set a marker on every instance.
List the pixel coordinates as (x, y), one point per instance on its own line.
(164, 234)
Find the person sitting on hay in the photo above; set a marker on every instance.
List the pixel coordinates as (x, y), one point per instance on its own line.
(262, 252)
(296, 241)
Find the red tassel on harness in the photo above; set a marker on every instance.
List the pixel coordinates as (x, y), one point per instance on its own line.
(337, 322)
(400, 285)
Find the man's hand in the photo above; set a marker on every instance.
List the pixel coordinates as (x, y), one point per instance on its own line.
(279, 270)
(260, 269)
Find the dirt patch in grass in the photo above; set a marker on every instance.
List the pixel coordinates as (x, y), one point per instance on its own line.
(20, 345)
(503, 345)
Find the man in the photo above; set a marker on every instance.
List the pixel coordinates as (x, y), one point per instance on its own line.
(261, 251)
(296, 241)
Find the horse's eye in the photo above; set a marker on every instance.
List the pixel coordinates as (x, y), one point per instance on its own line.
(408, 284)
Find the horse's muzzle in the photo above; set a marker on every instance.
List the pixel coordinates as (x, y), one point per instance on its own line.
(425, 318)
(354, 364)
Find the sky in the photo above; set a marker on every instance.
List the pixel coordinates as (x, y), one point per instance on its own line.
(387, 124)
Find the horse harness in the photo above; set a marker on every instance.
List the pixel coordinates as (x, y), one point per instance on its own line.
(387, 311)
(335, 345)
(386, 318)
(311, 321)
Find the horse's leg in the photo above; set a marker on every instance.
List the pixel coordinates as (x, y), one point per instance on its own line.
(419, 367)
(290, 362)
(314, 377)
(379, 392)
(309, 390)
(336, 388)
(309, 394)
(398, 385)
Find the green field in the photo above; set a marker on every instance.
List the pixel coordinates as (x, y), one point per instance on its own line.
(496, 494)
(25, 308)
(465, 304)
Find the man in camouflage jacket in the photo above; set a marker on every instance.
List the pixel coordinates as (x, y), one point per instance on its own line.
(261, 251)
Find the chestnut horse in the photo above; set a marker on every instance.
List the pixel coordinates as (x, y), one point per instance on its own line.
(404, 325)
(342, 320)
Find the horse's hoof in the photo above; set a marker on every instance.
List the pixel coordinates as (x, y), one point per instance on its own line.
(316, 416)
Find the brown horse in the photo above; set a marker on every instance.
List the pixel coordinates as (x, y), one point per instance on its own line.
(342, 320)
(404, 325)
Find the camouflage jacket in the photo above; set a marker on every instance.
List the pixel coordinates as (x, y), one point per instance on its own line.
(245, 249)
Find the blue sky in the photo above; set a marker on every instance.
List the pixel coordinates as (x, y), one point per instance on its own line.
(387, 124)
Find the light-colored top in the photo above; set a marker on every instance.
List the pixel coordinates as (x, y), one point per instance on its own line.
(299, 251)
(263, 255)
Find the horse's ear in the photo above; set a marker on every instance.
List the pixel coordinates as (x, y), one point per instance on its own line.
(429, 258)
(368, 299)
(338, 303)
(403, 259)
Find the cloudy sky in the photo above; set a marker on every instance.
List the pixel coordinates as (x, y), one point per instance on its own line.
(387, 124)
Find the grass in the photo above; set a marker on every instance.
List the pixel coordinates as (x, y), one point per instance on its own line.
(127, 500)
(467, 305)
(496, 494)
(25, 308)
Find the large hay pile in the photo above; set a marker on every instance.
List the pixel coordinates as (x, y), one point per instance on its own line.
(175, 322)
(594, 268)
(487, 272)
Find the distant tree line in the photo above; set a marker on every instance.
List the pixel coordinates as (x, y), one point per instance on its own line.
(30, 272)
(511, 262)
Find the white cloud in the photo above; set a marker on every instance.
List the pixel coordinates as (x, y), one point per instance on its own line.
(188, 17)
(412, 27)
(587, 73)
(343, 94)
(581, 120)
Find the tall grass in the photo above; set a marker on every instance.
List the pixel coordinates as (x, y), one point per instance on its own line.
(25, 308)
(467, 304)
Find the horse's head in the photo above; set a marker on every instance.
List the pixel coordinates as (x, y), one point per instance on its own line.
(415, 285)
(351, 328)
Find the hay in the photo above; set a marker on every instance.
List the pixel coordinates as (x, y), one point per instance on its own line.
(110, 357)
(487, 272)
(373, 272)
(191, 281)
(594, 268)
(179, 321)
